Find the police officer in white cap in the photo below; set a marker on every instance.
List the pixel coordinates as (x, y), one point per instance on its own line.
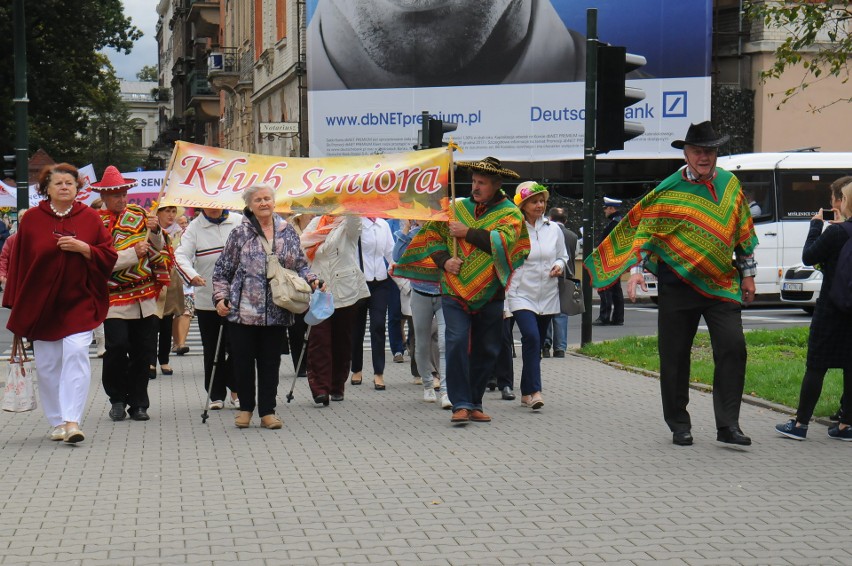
(612, 299)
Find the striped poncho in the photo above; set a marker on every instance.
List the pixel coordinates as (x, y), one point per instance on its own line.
(481, 275)
(692, 226)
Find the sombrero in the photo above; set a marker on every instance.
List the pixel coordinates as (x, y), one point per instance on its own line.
(113, 182)
(701, 135)
(488, 166)
(527, 190)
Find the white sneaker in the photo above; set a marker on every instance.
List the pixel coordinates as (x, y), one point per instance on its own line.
(234, 402)
(445, 401)
(429, 395)
(216, 405)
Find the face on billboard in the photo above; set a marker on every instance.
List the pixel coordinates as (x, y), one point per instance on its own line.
(397, 33)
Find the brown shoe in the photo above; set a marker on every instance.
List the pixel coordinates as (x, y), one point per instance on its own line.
(460, 416)
(272, 422)
(243, 419)
(478, 416)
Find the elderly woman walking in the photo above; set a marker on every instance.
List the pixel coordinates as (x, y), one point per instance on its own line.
(241, 292)
(57, 291)
(533, 296)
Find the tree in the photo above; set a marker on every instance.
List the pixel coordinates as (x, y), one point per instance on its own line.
(818, 39)
(148, 73)
(65, 70)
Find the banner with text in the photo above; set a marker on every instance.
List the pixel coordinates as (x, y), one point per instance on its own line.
(411, 185)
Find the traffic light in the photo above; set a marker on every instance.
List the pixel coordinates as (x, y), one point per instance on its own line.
(9, 166)
(613, 96)
(437, 129)
(432, 133)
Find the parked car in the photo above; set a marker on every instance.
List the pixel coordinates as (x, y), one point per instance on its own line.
(800, 285)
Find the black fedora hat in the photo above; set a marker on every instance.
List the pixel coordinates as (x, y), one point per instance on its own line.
(701, 135)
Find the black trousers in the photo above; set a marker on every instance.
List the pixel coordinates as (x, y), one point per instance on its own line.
(296, 342)
(504, 372)
(257, 349)
(208, 326)
(812, 389)
(612, 304)
(164, 340)
(130, 347)
(680, 311)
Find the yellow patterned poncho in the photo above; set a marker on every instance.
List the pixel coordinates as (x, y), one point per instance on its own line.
(482, 275)
(693, 227)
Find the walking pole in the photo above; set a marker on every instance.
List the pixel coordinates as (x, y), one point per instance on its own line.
(298, 365)
(213, 373)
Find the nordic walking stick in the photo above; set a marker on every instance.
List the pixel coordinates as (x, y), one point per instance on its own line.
(213, 373)
(298, 365)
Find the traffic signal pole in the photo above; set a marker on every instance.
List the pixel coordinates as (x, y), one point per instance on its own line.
(589, 167)
(22, 139)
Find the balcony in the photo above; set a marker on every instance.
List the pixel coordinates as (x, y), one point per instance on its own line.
(226, 70)
(201, 95)
(204, 15)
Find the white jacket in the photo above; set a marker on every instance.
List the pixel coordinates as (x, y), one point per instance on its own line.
(336, 262)
(531, 287)
(200, 247)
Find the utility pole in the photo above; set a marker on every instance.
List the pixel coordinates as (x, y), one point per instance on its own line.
(589, 166)
(22, 138)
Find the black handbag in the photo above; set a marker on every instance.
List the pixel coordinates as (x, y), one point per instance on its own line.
(571, 296)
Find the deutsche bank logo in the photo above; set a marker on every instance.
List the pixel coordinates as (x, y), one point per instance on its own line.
(674, 104)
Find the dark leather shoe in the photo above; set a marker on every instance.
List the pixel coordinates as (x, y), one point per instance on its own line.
(682, 438)
(732, 435)
(321, 400)
(507, 394)
(336, 397)
(117, 412)
(140, 414)
(600, 323)
(491, 386)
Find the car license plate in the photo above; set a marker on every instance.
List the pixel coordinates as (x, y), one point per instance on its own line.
(791, 287)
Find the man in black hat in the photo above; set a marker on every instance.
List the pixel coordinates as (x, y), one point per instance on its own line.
(686, 231)
(472, 256)
(612, 298)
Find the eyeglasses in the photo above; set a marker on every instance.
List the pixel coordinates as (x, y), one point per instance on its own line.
(60, 231)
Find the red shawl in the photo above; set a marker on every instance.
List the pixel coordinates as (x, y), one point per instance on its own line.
(53, 293)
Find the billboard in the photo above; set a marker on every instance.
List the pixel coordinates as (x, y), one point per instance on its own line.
(509, 72)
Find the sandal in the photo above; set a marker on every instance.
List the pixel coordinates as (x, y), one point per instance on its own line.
(536, 402)
(379, 382)
(354, 381)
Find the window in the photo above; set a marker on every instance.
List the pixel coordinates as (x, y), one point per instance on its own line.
(280, 19)
(137, 137)
(802, 193)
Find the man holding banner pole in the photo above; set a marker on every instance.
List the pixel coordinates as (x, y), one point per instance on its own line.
(492, 241)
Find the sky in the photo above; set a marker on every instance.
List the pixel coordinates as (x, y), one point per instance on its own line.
(144, 16)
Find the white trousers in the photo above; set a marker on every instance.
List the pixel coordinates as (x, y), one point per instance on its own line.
(64, 376)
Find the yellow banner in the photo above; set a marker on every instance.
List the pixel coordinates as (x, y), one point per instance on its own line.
(409, 185)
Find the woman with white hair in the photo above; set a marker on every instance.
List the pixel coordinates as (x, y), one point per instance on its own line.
(241, 292)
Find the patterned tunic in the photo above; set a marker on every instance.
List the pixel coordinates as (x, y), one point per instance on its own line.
(693, 227)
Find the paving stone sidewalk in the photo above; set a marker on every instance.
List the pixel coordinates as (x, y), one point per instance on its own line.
(383, 478)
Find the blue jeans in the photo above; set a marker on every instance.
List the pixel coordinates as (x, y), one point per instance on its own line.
(473, 344)
(395, 337)
(533, 328)
(559, 326)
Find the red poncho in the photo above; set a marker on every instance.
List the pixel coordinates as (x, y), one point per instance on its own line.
(55, 293)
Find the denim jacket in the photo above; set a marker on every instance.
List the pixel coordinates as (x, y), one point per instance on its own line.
(240, 272)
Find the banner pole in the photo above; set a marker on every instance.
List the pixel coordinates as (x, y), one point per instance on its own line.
(453, 197)
(168, 172)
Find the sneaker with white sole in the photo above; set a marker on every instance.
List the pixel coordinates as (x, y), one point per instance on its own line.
(216, 405)
(445, 401)
(790, 430)
(429, 395)
(840, 434)
(234, 403)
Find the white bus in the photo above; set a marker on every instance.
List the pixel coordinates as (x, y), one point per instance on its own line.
(789, 188)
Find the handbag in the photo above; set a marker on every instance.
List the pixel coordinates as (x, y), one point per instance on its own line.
(322, 307)
(20, 395)
(289, 291)
(571, 296)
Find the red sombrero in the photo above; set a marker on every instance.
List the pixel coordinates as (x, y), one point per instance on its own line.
(112, 181)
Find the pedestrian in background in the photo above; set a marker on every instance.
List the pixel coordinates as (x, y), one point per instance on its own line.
(612, 298)
(533, 293)
(296, 333)
(490, 237)
(57, 290)
(686, 231)
(830, 335)
(331, 246)
(241, 292)
(557, 331)
(182, 321)
(170, 302)
(200, 246)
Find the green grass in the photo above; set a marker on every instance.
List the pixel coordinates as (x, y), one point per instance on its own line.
(776, 364)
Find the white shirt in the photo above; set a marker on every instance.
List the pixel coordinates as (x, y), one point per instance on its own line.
(376, 248)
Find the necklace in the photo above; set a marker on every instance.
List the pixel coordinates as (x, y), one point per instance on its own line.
(63, 213)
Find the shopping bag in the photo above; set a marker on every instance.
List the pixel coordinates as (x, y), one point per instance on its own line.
(322, 307)
(19, 395)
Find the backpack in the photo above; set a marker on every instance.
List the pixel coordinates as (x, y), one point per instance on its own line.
(841, 285)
